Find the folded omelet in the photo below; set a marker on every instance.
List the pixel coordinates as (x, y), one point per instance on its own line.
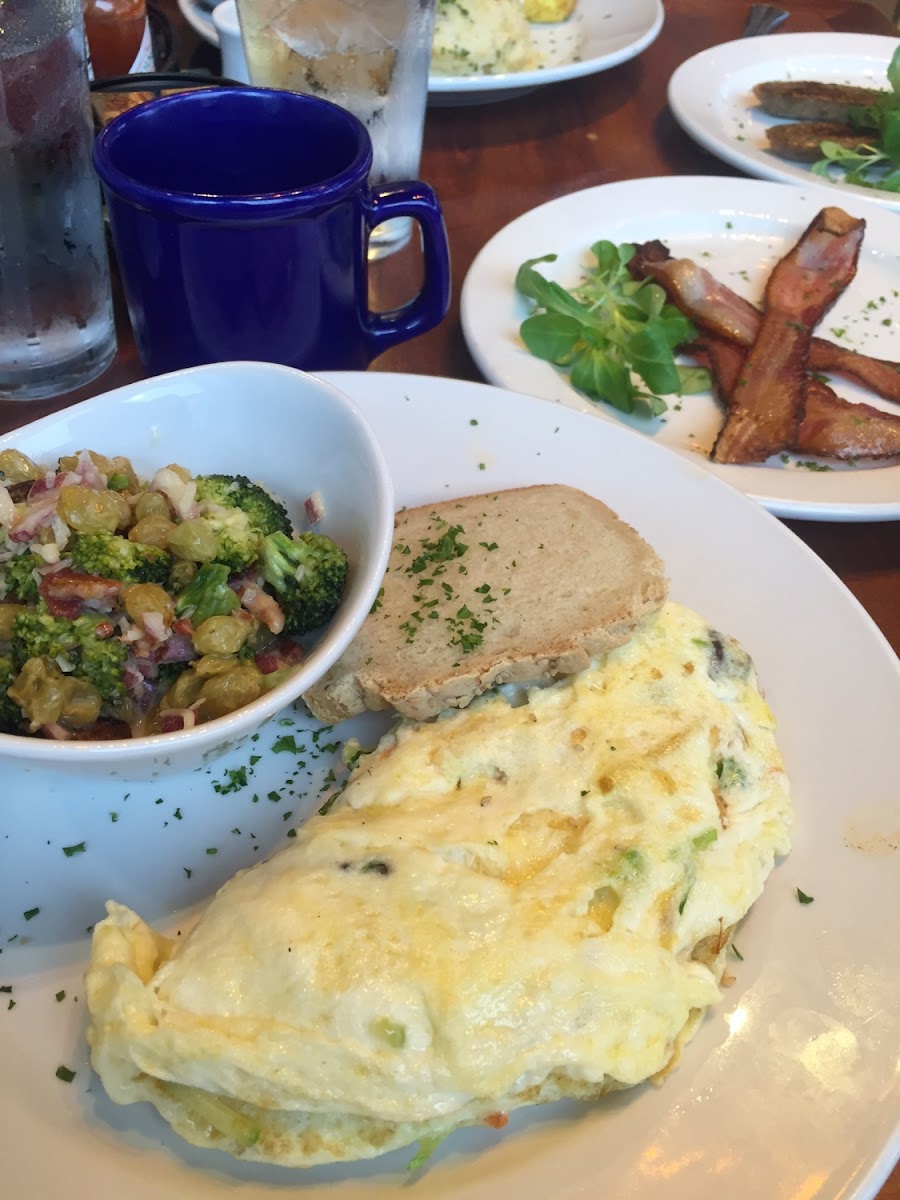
(507, 905)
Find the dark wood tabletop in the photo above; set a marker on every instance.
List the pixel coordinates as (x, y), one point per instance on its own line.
(490, 163)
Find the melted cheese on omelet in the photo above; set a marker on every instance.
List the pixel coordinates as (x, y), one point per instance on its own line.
(507, 904)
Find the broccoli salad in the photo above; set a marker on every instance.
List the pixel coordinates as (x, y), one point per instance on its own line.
(132, 607)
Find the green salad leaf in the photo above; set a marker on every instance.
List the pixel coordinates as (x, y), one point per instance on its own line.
(875, 162)
(611, 332)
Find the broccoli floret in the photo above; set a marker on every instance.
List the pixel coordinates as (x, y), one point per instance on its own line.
(10, 713)
(75, 644)
(241, 514)
(17, 581)
(116, 557)
(207, 595)
(266, 514)
(307, 575)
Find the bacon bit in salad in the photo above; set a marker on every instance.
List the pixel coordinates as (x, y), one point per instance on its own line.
(70, 594)
(261, 605)
(496, 1120)
(174, 719)
(280, 654)
(314, 507)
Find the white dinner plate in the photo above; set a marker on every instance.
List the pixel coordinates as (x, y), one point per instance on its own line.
(599, 35)
(789, 1087)
(738, 229)
(712, 97)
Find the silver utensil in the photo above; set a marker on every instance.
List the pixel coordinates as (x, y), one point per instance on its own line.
(763, 18)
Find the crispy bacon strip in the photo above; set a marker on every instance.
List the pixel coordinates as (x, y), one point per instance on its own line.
(769, 399)
(831, 427)
(879, 375)
(716, 309)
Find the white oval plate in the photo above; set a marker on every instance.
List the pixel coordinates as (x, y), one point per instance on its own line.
(790, 1079)
(737, 228)
(712, 97)
(599, 35)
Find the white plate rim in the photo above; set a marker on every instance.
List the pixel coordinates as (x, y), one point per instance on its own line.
(403, 409)
(701, 109)
(490, 314)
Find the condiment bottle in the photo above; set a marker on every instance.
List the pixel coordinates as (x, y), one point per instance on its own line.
(118, 36)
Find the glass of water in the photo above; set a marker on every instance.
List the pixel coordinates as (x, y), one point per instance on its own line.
(56, 318)
(369, 56)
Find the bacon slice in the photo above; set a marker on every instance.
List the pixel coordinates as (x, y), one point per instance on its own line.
(831, 427)
(879, 375)
(716, 309)
(71, 594)
(769, 399)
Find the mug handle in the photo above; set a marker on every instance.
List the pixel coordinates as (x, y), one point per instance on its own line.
(411, 198)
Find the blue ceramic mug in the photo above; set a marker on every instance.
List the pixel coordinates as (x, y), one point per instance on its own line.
(240, 220)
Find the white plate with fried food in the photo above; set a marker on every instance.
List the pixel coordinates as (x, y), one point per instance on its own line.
(737, 229)
(791, 1075)
(712, 97)
(598, 35)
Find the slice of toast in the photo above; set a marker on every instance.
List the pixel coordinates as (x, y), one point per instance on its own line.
(519, 586)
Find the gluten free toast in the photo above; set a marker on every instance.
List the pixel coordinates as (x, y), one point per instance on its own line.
(517, 586)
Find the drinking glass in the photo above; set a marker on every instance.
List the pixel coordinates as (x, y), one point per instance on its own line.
(369, 56)
(56, 318)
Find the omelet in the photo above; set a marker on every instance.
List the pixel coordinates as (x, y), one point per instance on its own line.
(509, 904)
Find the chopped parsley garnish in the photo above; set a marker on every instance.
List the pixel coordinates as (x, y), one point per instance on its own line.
(803, 898)
(61, 995)
(286, 742)
(78, 848)
(65, 1074)
(236, 779)
(31, 912)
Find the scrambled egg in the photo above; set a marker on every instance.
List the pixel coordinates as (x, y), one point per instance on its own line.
(507, 905)
(480, 37)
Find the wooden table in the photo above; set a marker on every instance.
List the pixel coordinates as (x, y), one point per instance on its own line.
(491, 163)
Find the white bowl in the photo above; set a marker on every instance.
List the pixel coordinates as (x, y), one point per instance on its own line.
(288, 430)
